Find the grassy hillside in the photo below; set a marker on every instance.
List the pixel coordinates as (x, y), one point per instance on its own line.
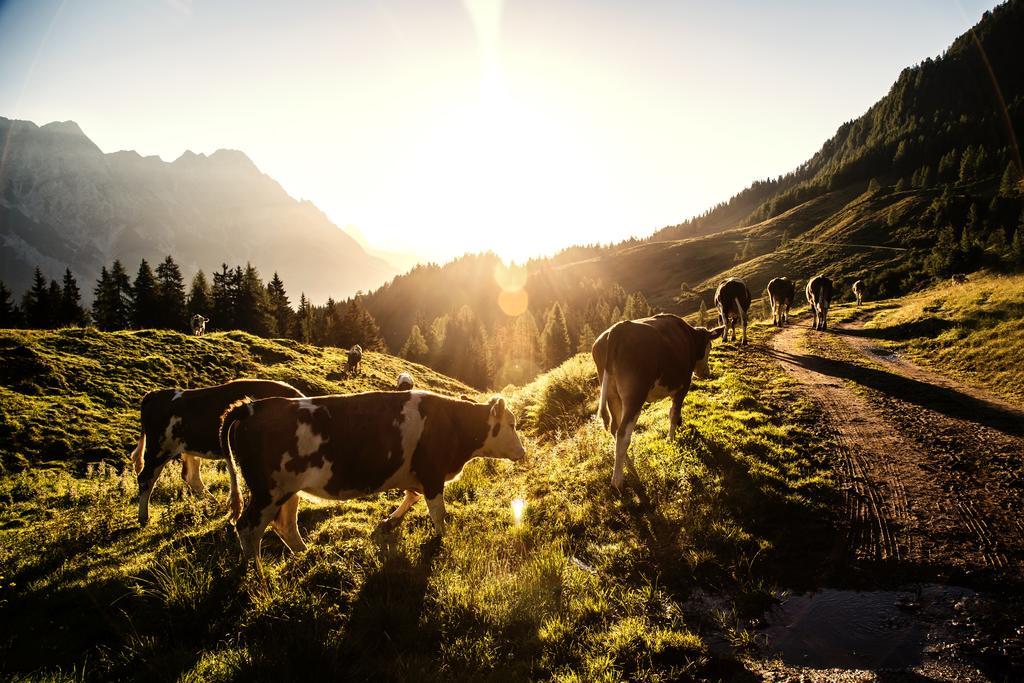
(653, 585)
(72, 395)
(973, 331)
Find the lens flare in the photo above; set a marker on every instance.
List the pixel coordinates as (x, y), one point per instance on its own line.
(518, 510)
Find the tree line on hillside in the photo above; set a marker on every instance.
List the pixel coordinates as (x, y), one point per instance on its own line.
(478, 343)
(233, 299)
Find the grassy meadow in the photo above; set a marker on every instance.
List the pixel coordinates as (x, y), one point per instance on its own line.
(656, 584)
(973, 331)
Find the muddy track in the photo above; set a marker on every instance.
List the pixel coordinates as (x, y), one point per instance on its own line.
(931, 469)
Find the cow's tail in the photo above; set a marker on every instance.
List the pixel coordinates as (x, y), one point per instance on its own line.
(138, 455)
(606, 378)
(237, 411)
(740, 313)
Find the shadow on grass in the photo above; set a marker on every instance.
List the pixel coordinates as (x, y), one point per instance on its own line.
(948, 402)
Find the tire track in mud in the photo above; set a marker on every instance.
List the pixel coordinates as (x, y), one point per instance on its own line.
(931, 470)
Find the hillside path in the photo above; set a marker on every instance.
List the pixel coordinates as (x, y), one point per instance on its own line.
(931, 469)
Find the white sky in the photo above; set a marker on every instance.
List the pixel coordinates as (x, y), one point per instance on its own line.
(440, 127)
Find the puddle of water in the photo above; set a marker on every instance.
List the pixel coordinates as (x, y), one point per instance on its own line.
(858, 630)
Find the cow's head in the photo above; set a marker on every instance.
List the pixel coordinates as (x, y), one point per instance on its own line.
(501, 441)
(704, 337)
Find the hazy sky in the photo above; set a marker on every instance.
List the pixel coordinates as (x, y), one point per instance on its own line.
(444, 126)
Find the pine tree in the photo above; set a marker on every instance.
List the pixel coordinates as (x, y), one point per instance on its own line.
(415, 347)
(8, 311)
(874, 186)
(587, 339)
(1008, 185)
(252, 309)
(36, 303)
(124, 298)
(967, 165)
(112, 299)
(357, 326)
(554, 340)
(147, 303)
(465, 352)
(304, 320)
(71, 311)
(170, 286)
(200, 298)
(53, 302)
(703, 312)
(280, 307)
(1017, 247)
(224, 297)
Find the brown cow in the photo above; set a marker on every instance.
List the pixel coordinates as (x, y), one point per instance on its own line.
(732, 298)
(781, 292)
(404, 382)
(858, 291)
(819, 296)
(186, 423)
(646, 360)
(342, 447)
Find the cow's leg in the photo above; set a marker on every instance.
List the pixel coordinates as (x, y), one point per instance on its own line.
(435, 506)
(395, 518)
(250, 529)
(190, 472)
(152, 467)
(743, 321)
(286, 525)
(675, 413)
(623, 438)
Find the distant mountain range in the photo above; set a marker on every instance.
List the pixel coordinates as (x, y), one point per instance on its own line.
(65, 203)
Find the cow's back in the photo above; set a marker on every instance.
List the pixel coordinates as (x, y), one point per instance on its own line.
(782, 289)
(819, 290)
(730, 291)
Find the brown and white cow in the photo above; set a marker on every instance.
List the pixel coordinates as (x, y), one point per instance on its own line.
(186, 422)
(858, 291)
(346, 446)
(732, 298)
(959, 278)
(647, 360)
(404, 382)
(819, 296)
(199, 325)
(353, 358)
(781, 292)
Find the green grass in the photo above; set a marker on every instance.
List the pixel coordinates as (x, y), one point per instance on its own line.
(591, 586)
(974, 332)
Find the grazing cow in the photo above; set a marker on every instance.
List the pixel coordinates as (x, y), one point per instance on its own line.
(647, 360)
(355, 357)
(199, 325)
(781, 292)
(858, 291)
(404, 383)
(186, 422)
(732, 298)
(959, 278)
(342, 447)
(819, 296)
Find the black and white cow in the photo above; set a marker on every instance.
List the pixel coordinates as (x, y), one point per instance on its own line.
(732, 298)
(858, 291)
(781, 292)
(353, 358)
(186, 422)
(199, 325)
(346, 446)
(404, 382)
(819, 296)
(647, 360)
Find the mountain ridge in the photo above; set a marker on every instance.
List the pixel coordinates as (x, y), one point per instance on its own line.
(57, 186)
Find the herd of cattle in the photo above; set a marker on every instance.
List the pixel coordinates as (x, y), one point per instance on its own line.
(345, 446)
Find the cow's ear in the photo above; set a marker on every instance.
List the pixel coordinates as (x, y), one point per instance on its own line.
(716, 332)
(497, 406)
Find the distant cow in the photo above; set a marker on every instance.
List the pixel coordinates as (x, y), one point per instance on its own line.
(819, 296)
(781, 292)
(354, 358)
(199, 325)
(342, 447)
(732, 298)
(959, 278)
(858, 291)
(404, 383)
(186, 422)
(647, 360)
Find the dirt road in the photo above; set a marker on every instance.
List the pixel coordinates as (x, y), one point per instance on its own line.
(932, 469)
